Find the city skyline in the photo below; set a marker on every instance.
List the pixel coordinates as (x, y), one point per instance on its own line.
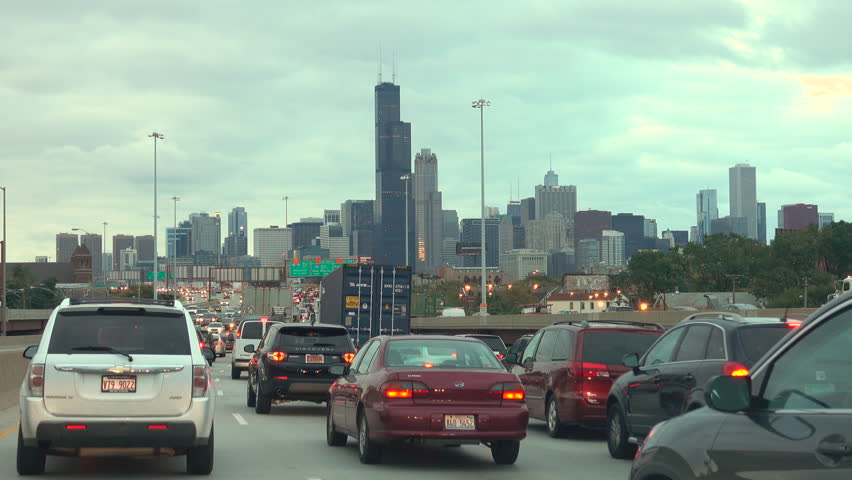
(736, 90)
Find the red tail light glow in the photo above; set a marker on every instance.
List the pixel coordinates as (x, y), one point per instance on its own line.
(75, 427)
(589, 370)
(405, 390)
(500, 356)
(200, 344)
(794, 323)
(735, 369)
(277, 356)
(507, 391)
(158, 427)
(428, 365)
(348, 357)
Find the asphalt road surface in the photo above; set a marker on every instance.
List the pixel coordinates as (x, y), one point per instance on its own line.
(290, 443)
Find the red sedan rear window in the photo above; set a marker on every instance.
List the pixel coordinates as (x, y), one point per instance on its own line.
(440, 354)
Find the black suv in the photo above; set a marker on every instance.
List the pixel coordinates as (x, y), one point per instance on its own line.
(669, 379)
(292, 363)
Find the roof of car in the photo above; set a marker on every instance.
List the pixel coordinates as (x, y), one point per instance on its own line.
(457, 338)
(608, 324)
(476, 335)
(730, 319)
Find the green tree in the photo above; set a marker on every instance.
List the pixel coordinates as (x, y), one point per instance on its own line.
(652, 272)
(834, 249)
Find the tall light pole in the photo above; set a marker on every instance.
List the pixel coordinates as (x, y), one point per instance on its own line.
(406, 178)
(481, 104)
(3, 308)
(174, 248)
(103, 261)
(156, 136)
(286, 208)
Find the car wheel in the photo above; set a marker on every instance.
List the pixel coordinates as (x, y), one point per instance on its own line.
(251, 397)
(264, 401)
(505, 452)
(332, 437)
(555, 428)
(235, 373)
(368, 451)
(617, 434)
(199, 460)
(30, 459)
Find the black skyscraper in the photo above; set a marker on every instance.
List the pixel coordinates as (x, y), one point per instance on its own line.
(393, 160)
(633, 228)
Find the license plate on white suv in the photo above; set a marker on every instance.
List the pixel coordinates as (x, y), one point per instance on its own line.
(118, 384)
(459, 422)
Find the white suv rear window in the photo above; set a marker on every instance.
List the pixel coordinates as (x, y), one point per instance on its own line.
(133, 331)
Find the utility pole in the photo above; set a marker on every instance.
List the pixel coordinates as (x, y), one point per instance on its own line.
(806, 291)
(3, 309)
(734, 278)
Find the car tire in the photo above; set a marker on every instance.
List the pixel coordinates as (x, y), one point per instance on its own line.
(332, 437)
(505, 452)
(251, 397)
(264, 401)
(369, 452)
(617, 434)
(31, 460)
(555, 428)
(199, 460)
(235, 373)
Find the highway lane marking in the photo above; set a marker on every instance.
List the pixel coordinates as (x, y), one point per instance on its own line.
(220, 393)
(5, 433)
(240, 419)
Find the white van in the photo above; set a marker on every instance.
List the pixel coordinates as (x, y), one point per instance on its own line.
(453, 312)
(250, 332)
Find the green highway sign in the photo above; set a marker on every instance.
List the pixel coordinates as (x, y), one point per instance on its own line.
(160, 276)
(310, 268)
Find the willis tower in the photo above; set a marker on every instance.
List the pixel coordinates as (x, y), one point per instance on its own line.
(393, 160)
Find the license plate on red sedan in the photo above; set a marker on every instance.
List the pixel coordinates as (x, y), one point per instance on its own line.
(314, 358)
(118, 384)
(459, 422)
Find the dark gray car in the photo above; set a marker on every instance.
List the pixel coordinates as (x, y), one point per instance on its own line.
(790, 419)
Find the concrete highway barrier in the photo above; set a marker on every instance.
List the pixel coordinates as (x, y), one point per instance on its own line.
(13, 366)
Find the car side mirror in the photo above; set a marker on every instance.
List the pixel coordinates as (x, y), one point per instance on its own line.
(248, 349)
(527, 363)
(338, 370)
(728, 394)
(512, 358)
(30, 352)
(209, 355)
(631, 360)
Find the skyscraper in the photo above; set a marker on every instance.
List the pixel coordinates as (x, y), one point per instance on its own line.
(743, 185)
(393, 160)
(548, 233)
(206, 234)
(513, 209)
(94, 243)
(612, 248)
(236, 243)
(825, 219)
(633, 228)
(331, 216)
(272, 244)
(551, 179)
(332, 239)
(799, 216)
(707, 211)
(650, 228)
(428, 216)
(144, 246)
(559, 199)
(178, 243)
(451, 224)
(66, 243)
(591, 224)
(470, 234)
(119, 243)
(304, 234)
(729, 226)
(761, 223)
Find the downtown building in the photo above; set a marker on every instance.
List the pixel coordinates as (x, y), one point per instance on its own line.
(590, 225)
(332, 239)
(707, 210)
(451, 237)
(557, 199)
(236, 243)
(471, 237)
(66, 243)
(356, 218)
(393, 162)
(94, 244)
(518, 264)
(428, 214)
(798, 216)
(271, 245)
(613, 248)
(178, 244)
(743, 195)
(633, 228)
(119, 244)
(206, 234)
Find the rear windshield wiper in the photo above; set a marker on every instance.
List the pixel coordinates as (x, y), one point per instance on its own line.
(323, 345)
(92, 348)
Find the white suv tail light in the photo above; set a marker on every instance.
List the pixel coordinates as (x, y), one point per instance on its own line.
(200, 380)
(35, 380)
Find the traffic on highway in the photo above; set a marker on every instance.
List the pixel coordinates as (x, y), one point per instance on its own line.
(124, 386)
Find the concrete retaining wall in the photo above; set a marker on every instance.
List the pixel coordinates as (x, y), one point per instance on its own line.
(13, 367)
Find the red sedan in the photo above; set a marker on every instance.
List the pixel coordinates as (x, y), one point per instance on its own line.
(436, 390)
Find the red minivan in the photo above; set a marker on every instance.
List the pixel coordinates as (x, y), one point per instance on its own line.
(567, 369)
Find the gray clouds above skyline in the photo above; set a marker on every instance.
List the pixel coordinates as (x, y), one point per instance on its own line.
(640, 103)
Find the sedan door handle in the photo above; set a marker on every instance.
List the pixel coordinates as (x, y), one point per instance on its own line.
(834, 449)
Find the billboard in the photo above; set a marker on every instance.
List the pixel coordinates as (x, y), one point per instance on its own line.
(585, 283)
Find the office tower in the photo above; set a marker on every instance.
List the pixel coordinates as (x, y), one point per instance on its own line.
(549, 233)
(492, 212)
(650, 228)
(144, 246)
(178, 242)
(633, 228)
(693, 234)
(676, 238)
(94, 243)
(451, 224)
(551, 179)
(236, 243)
(729, 226)
(393, 161)
(331, 216)
(825, 219)
(119, 243)
(356, 215)
(107, 263)
(271, 245)
(799, 216)
(527, 210)
(450, 254)
(707, 211)
(470, 235)
(304, 234)
(312, 220)
(588, 253)
(668, 236)
(428, 215)
(591, 224)
(332, 239)
(128, 259)
(206, 234)
(66, 243)
(506, 232)
(513, 210)
(761, 223)
(521, 263)
(743, 185)
(558, 199)
(613, 248)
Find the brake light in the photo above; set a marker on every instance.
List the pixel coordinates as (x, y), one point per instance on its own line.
(75, 427)
(219, 342)
(735, 369)
(405, 390)
(239, 334)
(200, 380)
(35, 380)
(277, 356)
(200, 344)
(158, 427)
(589, 370)
(500, 356)
(348, 357)
(794, 323)
(507, 391)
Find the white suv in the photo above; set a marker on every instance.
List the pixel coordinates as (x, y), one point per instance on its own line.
(250, 332)
(120, 374)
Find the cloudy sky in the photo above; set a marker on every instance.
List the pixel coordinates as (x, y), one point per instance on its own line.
(641, 104)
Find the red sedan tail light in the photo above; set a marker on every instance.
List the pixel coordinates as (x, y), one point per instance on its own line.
(405, 390)
(735, 369)
(277, 356)
(348, 357)
(589, 370)
(507, 391)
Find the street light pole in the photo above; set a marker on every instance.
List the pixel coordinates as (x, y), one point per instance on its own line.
(174, 247)
(156, 136)
(406, 178)
(3, 309)
(481, 104)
